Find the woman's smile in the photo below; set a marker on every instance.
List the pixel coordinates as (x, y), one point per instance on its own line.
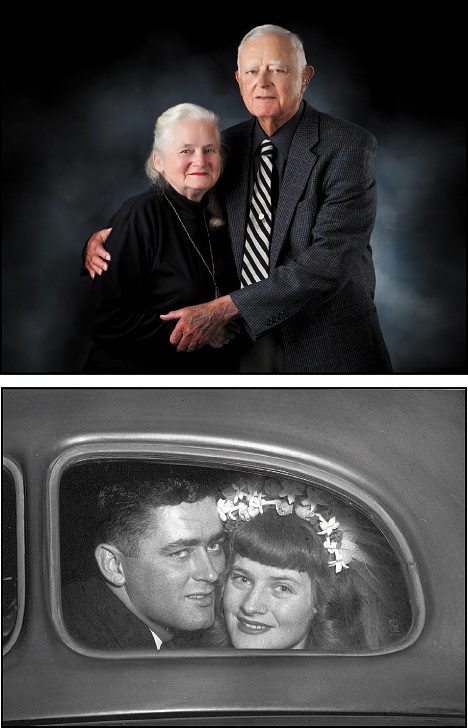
(279, 603)
(248, 627)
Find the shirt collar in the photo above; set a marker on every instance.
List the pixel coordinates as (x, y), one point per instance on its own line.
(157, 640)
(283, 137)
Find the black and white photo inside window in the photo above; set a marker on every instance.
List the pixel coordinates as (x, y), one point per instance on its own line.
(163, 555)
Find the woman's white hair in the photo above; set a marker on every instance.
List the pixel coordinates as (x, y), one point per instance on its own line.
(164, 131)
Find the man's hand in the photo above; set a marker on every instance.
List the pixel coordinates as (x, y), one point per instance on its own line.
(207, 324)
(96, 254)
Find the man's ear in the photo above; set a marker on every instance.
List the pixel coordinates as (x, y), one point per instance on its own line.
(109, 560)
(307, 74)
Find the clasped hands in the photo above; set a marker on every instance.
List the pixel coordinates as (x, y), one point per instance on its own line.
(206, 324)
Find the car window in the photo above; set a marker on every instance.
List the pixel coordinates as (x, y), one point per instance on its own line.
(13, 586)
(389, 599)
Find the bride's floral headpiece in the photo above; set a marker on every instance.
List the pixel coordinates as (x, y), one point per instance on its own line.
(246, 498)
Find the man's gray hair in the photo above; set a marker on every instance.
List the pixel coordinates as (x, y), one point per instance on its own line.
(293, 38)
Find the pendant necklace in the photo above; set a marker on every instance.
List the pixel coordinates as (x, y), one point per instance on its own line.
(212, 272)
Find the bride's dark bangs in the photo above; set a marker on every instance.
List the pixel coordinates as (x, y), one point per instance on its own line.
(286, 542)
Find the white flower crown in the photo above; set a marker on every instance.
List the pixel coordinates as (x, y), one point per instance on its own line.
(247, 497)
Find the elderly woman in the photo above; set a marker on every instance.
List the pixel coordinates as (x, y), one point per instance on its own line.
(169, 249)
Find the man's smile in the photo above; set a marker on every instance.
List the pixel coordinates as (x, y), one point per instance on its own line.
(203, 599)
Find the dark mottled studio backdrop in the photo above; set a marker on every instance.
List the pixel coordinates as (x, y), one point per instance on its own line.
(80, 102)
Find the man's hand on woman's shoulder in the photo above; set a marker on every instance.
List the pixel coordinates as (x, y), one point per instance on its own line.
(97, 256)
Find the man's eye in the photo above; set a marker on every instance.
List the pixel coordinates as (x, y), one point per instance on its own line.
(239, 578)
(179, 554)
(216, 546)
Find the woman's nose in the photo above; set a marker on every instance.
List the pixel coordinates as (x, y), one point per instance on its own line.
(254, 602)
(199, 158)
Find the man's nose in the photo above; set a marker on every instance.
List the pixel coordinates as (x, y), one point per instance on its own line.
(264, 77)
(206, 568)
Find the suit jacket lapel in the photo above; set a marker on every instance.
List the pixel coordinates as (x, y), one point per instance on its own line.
(300, 163)
(301, 160)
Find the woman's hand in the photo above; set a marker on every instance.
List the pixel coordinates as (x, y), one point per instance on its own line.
(225, 336)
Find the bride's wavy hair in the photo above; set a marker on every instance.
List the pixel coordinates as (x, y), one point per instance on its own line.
(290, 542)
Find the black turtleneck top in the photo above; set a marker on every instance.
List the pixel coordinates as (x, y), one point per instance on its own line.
(154, 269)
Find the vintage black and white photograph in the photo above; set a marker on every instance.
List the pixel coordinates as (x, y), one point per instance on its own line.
(260, 556)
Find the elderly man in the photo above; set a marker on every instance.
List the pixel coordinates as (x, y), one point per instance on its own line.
(310, 308)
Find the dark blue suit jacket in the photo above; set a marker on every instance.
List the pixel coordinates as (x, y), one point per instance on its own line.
(320, 292)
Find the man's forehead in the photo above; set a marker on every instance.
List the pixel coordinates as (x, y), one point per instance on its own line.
(200, 516)
(277, 52)
(184, 524)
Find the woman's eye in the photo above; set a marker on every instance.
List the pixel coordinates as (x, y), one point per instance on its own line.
(283, 589)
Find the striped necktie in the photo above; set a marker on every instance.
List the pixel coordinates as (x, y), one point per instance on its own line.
(256, 262)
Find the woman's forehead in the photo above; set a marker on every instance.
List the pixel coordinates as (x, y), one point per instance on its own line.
(267, 572)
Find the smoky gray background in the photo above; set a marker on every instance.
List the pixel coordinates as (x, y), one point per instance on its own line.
(78, 116)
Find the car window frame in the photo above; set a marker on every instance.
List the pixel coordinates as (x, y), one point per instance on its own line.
(252, 457)
(18, 481)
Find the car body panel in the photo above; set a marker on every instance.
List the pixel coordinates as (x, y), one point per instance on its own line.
(400, 451)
